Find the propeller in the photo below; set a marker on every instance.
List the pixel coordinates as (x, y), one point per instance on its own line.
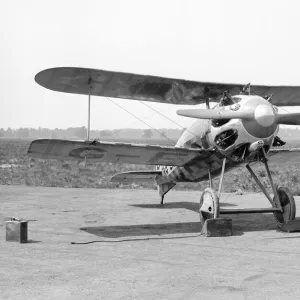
(263, 114)
(215, 114)
(288, 119)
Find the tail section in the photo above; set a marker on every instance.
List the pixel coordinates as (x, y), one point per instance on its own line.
(136, 177)
(163, 189)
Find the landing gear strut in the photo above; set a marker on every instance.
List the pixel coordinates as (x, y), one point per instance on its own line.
(283, 201)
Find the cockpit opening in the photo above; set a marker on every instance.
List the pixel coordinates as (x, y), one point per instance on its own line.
(227, 100)
(220, 122)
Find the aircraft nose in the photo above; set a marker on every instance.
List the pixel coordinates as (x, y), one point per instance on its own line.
(264, 115)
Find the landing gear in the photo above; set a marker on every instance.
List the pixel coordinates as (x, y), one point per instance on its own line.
(209, 201)
(283, 203)
(288, 206)
(209, 205)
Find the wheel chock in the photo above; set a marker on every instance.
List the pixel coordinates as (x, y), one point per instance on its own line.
(217, 227)
(290, 226)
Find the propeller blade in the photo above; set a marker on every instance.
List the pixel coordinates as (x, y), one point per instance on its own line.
(215, 114)
(288, 119)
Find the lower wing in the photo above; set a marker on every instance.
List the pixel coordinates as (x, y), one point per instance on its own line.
(114, 152)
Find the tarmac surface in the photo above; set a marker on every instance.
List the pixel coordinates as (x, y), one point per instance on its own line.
(128, 247)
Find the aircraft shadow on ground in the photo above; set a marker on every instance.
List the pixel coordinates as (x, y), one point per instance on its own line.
(144, 229)
(194, 206)
(241, 223)
(32, 242)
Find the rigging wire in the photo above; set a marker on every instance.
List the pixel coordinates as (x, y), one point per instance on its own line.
(186, 129)
(189, 91)
(119, 130)
(161, 114)
(174, 142)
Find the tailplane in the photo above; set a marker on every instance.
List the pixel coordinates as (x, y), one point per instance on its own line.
(144, 176)
(136, 177)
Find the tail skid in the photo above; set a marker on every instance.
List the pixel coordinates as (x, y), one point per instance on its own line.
(163, 189)
(144, 176)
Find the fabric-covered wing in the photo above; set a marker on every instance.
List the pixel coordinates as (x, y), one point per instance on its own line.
(113, 152)
(152, 88)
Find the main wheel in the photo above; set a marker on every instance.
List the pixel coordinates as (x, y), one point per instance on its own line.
(288, 205)
(209, 205)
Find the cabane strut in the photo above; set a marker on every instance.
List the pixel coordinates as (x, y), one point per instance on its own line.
(89, 109)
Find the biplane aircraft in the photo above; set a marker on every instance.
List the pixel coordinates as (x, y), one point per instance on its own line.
(240, 129)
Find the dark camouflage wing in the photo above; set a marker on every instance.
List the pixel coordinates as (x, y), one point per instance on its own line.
(114, 152)
(152, 88)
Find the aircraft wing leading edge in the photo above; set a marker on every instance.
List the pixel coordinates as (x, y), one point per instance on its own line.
(114, 152)
(153, 88)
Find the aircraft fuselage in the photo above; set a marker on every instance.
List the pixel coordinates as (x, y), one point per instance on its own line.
(235, 139)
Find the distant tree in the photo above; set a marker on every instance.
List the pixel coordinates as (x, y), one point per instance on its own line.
(81, 133)
(163, 134)
(147, 134)
(2, 132)
(106, 133)
(116, 132)
(9, 132)
(22, 133)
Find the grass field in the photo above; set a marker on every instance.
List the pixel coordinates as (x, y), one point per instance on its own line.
(18, 169)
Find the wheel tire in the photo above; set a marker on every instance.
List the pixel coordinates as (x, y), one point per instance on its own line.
(209, 205)
(288, 205)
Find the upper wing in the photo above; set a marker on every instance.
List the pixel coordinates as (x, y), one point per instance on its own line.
(152, 88)
(114, 152)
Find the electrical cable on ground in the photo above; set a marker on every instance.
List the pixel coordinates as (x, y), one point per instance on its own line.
(132, 240)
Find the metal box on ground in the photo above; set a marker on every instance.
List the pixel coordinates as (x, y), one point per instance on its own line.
(17, 231)
(291, 226)
(217, 227)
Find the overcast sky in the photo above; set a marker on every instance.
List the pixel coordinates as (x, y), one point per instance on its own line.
(221, 41)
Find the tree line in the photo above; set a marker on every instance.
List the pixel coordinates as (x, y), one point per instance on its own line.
(124, 133)
(81, 133)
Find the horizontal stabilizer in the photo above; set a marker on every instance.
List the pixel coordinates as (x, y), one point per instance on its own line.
(114, 152)
(136, 177)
